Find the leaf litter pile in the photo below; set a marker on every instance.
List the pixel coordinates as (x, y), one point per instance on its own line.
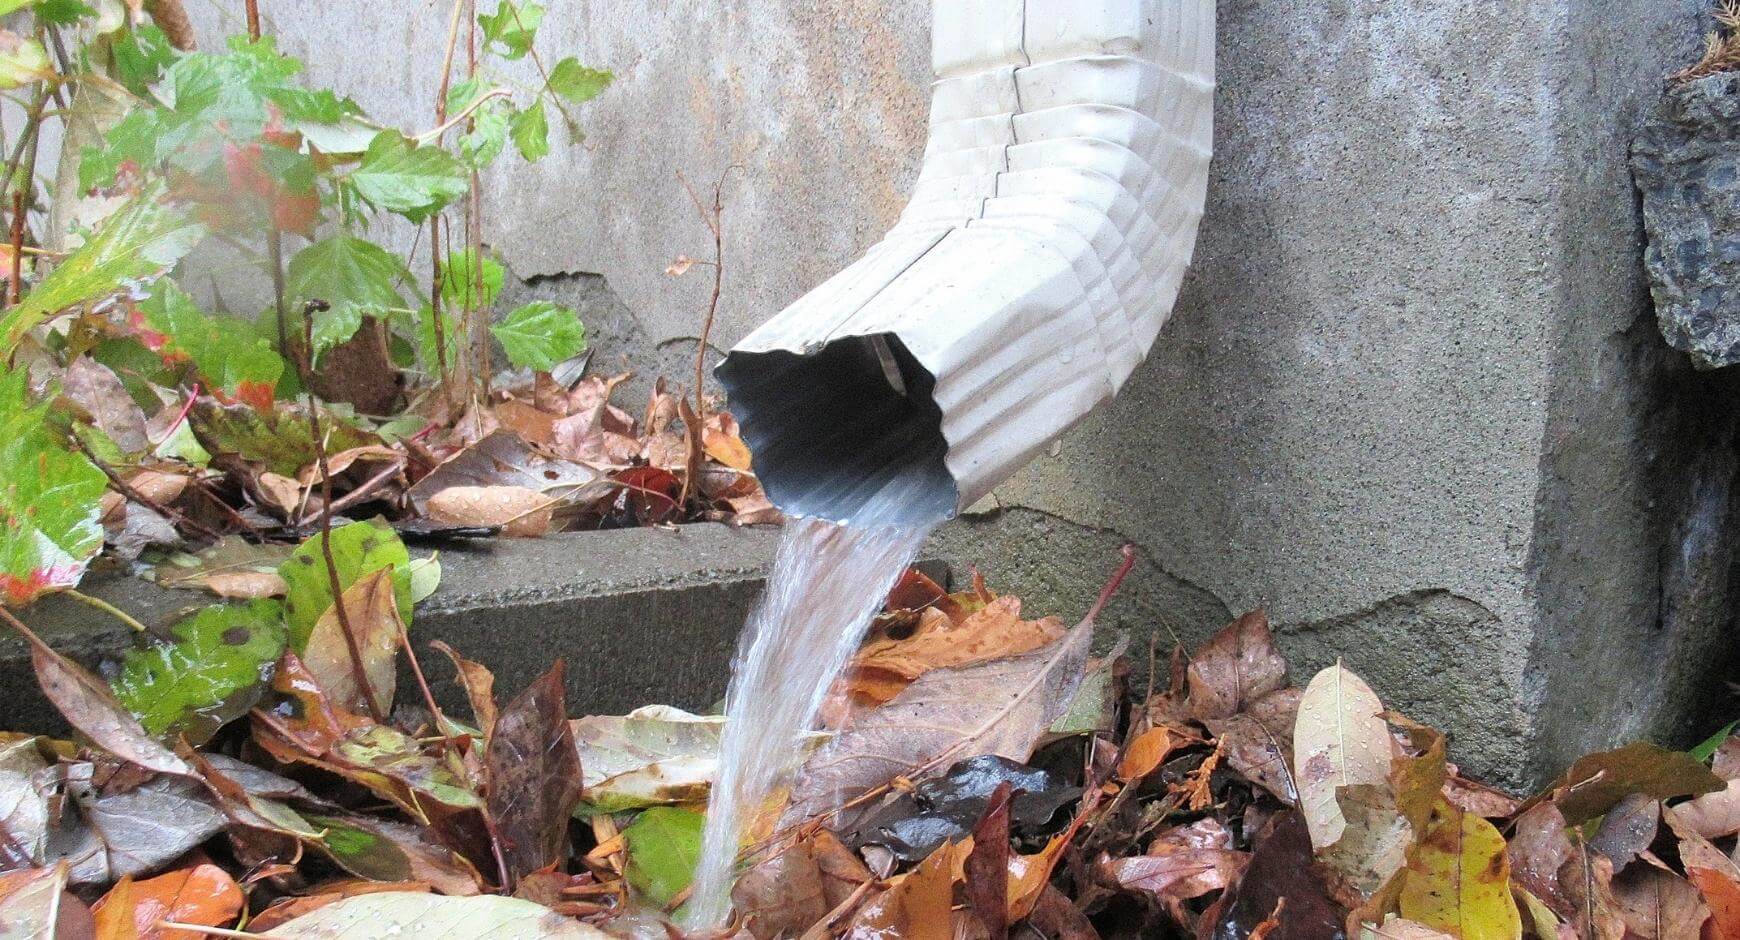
(259, 770)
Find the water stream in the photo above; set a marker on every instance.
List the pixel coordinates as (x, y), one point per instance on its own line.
(828, 580)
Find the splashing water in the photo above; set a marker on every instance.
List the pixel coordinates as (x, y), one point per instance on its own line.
(827, 582)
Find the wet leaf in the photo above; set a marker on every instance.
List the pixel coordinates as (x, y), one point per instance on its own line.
(918, 905)
(372, 611)
(139, 830)
(88, 705)
(1458, 879)
(787, 894)
(1540, 846)
(651, 756)
(387, 851)
(1178, 875)
(1658, 904)
(664, 845)
(1258, 742)
(398, 914)
(722, 441)
(1338, 741)
(35, 905)
(883, 668)
(1143, 755)
(277, 440)
(539, 335)
(24, 807)
(502, 459)
(209, 673)
(98, 392)
(532, 775)
(230, 354)
(1716, 876)
(986, 869)
(1000, 707)
(1597, 782)
(945, 808)
(358, 549)
(204, 894)
(399, 176)
(1280, 875)
(1715, 815)
(522, 513)
(232, 557)
(48, 499)
(1627, 829)
(1236, 667)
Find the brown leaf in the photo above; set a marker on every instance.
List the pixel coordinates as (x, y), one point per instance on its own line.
(884, 667)
(502, 459)
(1587, 880)
(1715, 815)
(98, 392)
(88, 705)
(1722, 893)
(1258, 742)
(479, 684)
(1237, 666)
(1595, 783)
(1478, 798)
(1179, 875)
(917, 906)
(987, 866)
(204, 894)
(723, 443)
(521, 512)
(532, 776)
(1659, 905)
(35, 905)
(679, 267)
(782, 896)
(1627, 829)
(1539, 849)
(1002, 706)
(157, 486)
(360, 371)
(373, 613)
(280, 492)
(1280, 874)
(246, 585)
(1145, 752)
(537, 427)
(1056, 917)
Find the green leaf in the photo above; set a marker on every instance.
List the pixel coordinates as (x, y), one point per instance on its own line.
(1708, 747)
(141, 239)
(540, 334)
(426, 351)
(62, 12)
(211, 673)
(531, 132)
(460, 287)
(416, 182)
(48, 499)
(226, 351)
(141, 55)
(462, 94)
(358, 549)
(355, 277)
(663, 844)
(425, 578)
(22, 60)
(316, 106)
(511, 30)
(480, 146)
(137, 139)
(13, 6)
(576, 82)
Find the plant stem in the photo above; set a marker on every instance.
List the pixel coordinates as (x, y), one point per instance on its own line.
(253, 7)
(360, 674)
(275, 260)
(130, 492)
(713, 219)
(107, 608)
(440, 327)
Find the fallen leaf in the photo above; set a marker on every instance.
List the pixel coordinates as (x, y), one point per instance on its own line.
(788, 893)
(1338, 741)
(999, 707)
(372, 612)
(286, 909)
(139, 830)
(386, 851)
(402, 913)
(1179, 875)
(663, 847)
(532, 425)
(1235, 667)
(358, 550)
(281, 493)
(1458, 878)
(277, 440)
(98, 393)
(1258, 742)
(1658, 904)
(88, 705)
(24, 806)
(522, 513)
(1055, 916)
(246, 585)
(204, 895)
(1539, 848)
(532, 776)
(945, 808)
(1716, 815)
(210, 671)
(1143, 755)
(1597, 782)
(1374, 843)
(1396, 928)
(1627, 829)
(35, 905)
(230, 557)
(723, 442)
(986, 867)
(1588, 884)
(656, 755)
(916, 907)
(479, 685)
(884, 667)
(1280, 874)
(1716, 876)
(502, 459)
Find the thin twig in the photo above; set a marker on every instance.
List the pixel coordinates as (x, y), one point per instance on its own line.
(435, 263)
(132, 493)
(555, 96)
(450, 123)
(354, 496)
(253, 8)
(714, 221)
(356, 661)
(98, 603)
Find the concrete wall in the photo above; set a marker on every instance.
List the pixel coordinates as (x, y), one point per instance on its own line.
(1412, 400)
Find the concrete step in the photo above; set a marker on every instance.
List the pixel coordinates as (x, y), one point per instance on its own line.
(640, 615)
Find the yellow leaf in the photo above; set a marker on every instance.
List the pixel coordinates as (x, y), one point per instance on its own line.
(1458, 878)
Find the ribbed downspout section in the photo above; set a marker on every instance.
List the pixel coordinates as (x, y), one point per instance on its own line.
(1043, 248)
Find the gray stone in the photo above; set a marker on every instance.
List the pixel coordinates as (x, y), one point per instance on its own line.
(1687, 165)
(640, 615)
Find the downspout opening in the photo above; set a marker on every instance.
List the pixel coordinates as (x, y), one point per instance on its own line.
(833, 427)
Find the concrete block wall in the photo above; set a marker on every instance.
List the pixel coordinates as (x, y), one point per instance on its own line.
(1412, 401)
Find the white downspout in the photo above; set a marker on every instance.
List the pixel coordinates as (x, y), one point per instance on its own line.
(1043, 247)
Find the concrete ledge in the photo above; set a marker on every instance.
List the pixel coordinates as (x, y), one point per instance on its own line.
(640, 615)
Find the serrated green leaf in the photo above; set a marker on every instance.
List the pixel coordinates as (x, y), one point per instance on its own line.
(210, 673)
(480, 146)
(531, 132)
(141, 55)
(134, 139)
(141, 239)
(461, 288)
(540, 334)
(355, 277)
(226, 351)
(62, 12)
(317, 106)
(48, 499)
(277, 440)
(358, 549)
(663, 845)
(512, 28)
(13, 6)
(463, 93)
(22, 60)
(416, 182)
(576, 82)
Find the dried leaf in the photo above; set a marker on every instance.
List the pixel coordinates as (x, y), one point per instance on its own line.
(656, 755)
(532, 776)
(1458, 878)
(884, 667)
(24, 807)
(1588, 883)
(1338, 741)
(502, 459)
(98, 392)
(1658, 904)
(372, 610)
(246, 585)
(917, 907)
(1597, 782)
(522, 513)
(1145, 752)
(1237, 666)
(1179, 875)
(204, 894)
(35, 905)
(402, 913)
(998, 707)
(986, 867)
(1258, 742)
(1715, 815)
(722, 441)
